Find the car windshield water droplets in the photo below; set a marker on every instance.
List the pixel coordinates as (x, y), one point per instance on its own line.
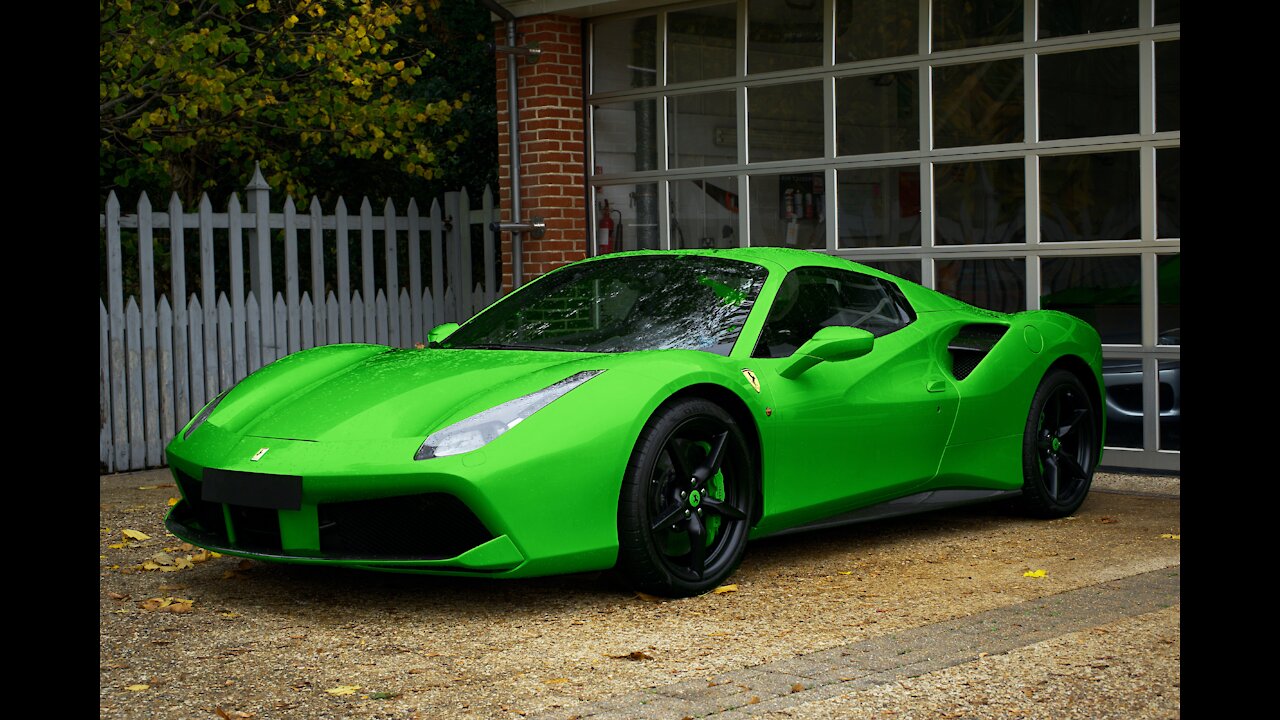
(625, 304)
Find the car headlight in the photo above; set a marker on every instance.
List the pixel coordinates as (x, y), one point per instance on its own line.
(204, 414)
(483, 427)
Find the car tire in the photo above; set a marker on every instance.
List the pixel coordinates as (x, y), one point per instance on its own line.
(1059, 447)
(686, 502)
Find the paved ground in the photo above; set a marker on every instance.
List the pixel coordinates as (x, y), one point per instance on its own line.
(932, 616)
(804, 683)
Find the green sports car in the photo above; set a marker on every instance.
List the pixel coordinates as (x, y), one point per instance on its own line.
(649, 412)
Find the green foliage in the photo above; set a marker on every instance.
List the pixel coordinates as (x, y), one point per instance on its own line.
(324, 93)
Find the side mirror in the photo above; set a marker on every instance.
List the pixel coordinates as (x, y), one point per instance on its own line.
(438, 333)
(829, 344)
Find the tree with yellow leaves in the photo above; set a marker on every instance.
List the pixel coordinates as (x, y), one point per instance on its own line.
(192, 93)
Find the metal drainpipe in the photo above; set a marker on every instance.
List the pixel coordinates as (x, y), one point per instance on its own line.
(513, 123)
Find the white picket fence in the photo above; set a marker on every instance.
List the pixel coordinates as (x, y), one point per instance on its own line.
(161, 360)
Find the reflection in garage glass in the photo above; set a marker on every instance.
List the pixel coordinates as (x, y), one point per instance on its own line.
(1090, 197)
(896, 32)
(1169, 192)
(959, 23)
(980, 202)
(1089, 93)
(1080, 17)
(1102, 291)
(998, 284)
(1123, 380)
(1169, 293)
(879, 207)
(978, 103)
(1171, 405)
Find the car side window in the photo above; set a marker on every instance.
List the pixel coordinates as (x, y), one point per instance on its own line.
(812, 298)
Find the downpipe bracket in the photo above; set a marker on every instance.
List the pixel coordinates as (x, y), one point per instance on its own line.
(536, 227)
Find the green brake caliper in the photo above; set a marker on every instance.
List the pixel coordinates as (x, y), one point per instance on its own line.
(715, 490)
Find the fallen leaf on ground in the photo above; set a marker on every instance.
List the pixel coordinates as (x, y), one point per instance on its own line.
(155, 487)
(117, 596)
(844, 572)
(1033, 573)
(135, 535)
(1107, 519)
(343, 690)
(138, 688)
(649, 598)
(755, 699)
(557, 681)
(232, 714)
(172, 501)
(1171, 536)
(165, 562)
(167, 604)
(797, 687)
(725, 589)
(636, 655)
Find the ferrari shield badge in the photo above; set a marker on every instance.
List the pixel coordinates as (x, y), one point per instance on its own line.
(751, 378)
(258, 455)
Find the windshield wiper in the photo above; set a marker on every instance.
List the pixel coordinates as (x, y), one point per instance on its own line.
(498, 346)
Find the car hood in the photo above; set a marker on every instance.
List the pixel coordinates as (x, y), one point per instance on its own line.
(392, 393)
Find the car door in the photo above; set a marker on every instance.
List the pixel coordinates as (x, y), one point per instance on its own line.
(850, 433)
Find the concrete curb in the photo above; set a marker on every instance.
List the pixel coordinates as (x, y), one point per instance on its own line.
(791, 682)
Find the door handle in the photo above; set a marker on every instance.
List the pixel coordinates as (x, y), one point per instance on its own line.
(936, 385)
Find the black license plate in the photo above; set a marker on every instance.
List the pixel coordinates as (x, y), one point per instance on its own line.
(258, 490)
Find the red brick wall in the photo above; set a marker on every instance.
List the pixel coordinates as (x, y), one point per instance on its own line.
(552, 143)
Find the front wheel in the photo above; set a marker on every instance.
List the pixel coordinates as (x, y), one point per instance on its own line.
(1059, 447)
(686, 502)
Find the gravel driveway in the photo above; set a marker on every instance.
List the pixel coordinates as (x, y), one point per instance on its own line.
(185, 635)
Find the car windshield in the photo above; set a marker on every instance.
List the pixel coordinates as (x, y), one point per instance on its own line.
(640, 302)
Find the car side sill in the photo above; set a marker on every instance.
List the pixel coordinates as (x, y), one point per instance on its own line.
(909, 505)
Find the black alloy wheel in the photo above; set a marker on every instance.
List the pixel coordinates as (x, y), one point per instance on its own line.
(1059, 448)
(686, 503)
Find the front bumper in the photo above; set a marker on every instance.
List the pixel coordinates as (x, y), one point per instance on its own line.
(510, 509)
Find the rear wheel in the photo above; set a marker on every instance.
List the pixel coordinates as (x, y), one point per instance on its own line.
(1059, 447)
(686, 502)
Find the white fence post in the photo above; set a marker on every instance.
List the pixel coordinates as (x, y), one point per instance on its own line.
(291, 273)
(150, 373)
(182, 410)
(235, 247)
(259, 198)
(366, 270)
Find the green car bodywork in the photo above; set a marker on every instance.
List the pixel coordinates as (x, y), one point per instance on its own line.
(311, 459)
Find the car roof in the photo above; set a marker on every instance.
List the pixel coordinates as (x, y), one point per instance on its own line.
(780, 258)
(786, 259)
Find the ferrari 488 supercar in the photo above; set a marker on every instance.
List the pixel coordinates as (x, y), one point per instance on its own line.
(646, 411)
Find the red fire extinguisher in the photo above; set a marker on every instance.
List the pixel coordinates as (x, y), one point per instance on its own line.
(604, 234)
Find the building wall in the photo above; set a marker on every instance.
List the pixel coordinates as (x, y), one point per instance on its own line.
(552, 139)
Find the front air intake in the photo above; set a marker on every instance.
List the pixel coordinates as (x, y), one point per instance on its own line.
(430, 526)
